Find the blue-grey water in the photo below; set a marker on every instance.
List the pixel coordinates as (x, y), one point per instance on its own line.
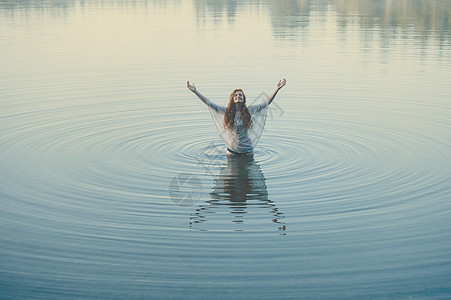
(114, 182)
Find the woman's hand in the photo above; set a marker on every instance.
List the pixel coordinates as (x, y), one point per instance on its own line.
(281, 83)
(191, 87)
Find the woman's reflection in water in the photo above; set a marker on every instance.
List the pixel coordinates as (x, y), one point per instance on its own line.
(239, 188)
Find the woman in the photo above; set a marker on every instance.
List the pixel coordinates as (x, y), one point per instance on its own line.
(240, 126)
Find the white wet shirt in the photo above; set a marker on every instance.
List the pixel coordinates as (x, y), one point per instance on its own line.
(240, 139)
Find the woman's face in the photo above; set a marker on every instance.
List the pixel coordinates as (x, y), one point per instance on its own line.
(238, 97)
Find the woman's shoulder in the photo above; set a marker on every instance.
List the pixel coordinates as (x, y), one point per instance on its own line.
(257, 107)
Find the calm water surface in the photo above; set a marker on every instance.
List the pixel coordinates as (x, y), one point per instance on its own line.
(114, 182)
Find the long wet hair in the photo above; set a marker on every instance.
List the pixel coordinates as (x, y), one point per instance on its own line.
(229, 116)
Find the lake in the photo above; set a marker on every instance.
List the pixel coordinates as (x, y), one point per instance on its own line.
(114, 182)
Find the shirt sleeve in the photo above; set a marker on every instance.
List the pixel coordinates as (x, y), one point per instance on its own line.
(218, 108)
(256, 108)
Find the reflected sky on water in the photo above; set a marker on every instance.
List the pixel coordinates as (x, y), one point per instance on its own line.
(347, 196)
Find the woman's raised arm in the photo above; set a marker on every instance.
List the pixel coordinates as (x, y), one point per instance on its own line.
(193, 89)
(280, 85)
(265, 103)
(204, 99)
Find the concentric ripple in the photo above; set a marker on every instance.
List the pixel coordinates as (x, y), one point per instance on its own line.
(96, 178)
